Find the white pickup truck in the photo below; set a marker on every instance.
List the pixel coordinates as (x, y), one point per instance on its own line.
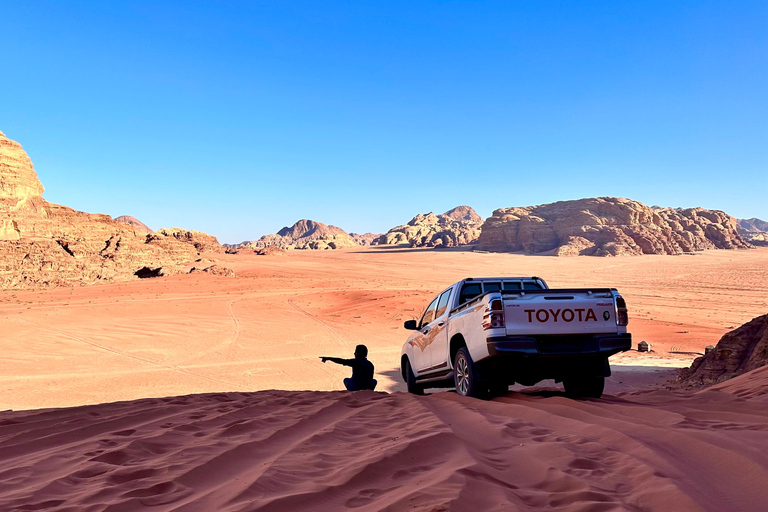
(482, 335)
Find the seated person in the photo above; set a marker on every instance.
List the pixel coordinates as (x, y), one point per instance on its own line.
(362, 370)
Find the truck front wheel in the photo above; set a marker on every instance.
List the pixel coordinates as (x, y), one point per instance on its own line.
(465, 375)
(410, 380)
(584, 387)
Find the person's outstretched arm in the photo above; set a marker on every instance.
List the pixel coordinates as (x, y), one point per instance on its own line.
(337, 360)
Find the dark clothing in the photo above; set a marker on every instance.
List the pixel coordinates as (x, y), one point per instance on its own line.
(350, 387)
(362, 373)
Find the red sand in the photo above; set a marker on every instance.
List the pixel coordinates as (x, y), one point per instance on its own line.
(318, 451)
(300, 450)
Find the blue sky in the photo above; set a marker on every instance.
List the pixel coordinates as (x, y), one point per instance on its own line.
(238, 118)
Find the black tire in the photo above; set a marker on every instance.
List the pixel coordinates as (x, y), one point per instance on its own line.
(584, 387)
(465, 375)
(498, 388)
(410, 380)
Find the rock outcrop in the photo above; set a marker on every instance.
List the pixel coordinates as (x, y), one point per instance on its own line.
(608, 226)
(44, 244)
(136, 223)
(18, 179)
(753, 225)
(203, 242)
(754, 231)
(739, 351)
(305, 234)
(459, 226)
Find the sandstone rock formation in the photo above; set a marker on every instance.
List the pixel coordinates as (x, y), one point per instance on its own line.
(754, 231)
(305, 234)
(136, 223)
(203, 242)
(753, 225)
(608, 226)
(739, 351)
(459, 226)
(44, 244)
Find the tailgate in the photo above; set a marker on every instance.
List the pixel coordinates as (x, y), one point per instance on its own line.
(559, 312)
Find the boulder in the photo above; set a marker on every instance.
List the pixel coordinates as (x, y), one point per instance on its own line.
(203, 242)
(607, 226)
(136, 223)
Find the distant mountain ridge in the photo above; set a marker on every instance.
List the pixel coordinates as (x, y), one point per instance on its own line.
(308, 234)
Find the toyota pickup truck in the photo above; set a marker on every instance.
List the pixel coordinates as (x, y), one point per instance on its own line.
(481, 335)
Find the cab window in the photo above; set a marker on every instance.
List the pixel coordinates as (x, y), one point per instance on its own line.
(469, 291)
(531, 285)
(512, 286)
(442, 304)
(491, 287)
(429, 314)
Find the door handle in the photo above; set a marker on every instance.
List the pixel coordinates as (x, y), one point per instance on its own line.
(441, 324)
(426, 331)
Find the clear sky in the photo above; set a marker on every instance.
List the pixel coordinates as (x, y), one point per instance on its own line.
(238, 118)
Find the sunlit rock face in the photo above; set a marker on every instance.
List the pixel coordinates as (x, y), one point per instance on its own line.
(608, 226)
(44, 244)
(458, 226)
(18, 179)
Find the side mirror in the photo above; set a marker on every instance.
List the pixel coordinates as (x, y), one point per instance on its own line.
(410, 325)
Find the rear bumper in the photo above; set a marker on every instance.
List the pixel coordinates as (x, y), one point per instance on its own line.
(555, 346)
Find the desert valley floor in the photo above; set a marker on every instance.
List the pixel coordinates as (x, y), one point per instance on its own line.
(642, 447)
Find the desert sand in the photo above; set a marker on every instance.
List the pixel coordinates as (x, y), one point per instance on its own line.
(308, 447)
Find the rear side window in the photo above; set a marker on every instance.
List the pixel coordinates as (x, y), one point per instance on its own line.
(429, 314)
(469, 291)
(512, 286)
(531, 285)
(442, 304)
(491, 287)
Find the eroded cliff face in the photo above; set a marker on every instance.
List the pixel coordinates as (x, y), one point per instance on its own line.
(458, 226)
(608, 226)
(44, 244)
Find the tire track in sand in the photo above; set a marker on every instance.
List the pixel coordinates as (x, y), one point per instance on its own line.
(124, 354)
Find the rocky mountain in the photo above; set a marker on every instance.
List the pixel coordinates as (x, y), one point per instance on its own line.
(754, 231)
(307, 234)
(136, 223)
(753, 225)
(608, 226)
(739, 351)
(459, 226)
(44, 244)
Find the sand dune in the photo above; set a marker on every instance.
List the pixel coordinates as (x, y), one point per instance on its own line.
(316, 451)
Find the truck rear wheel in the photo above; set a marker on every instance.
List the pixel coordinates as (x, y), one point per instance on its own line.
(465, 375)
(584, 387)
(410, 380)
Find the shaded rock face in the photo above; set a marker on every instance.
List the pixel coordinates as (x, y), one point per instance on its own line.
(203, 242)
(739, 351)
(136, 223)
(608, 226)
(305, 234)
(459, 226)
(44, 244)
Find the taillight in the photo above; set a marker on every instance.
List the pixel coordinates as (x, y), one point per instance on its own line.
(494, 315)
(622, 317)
